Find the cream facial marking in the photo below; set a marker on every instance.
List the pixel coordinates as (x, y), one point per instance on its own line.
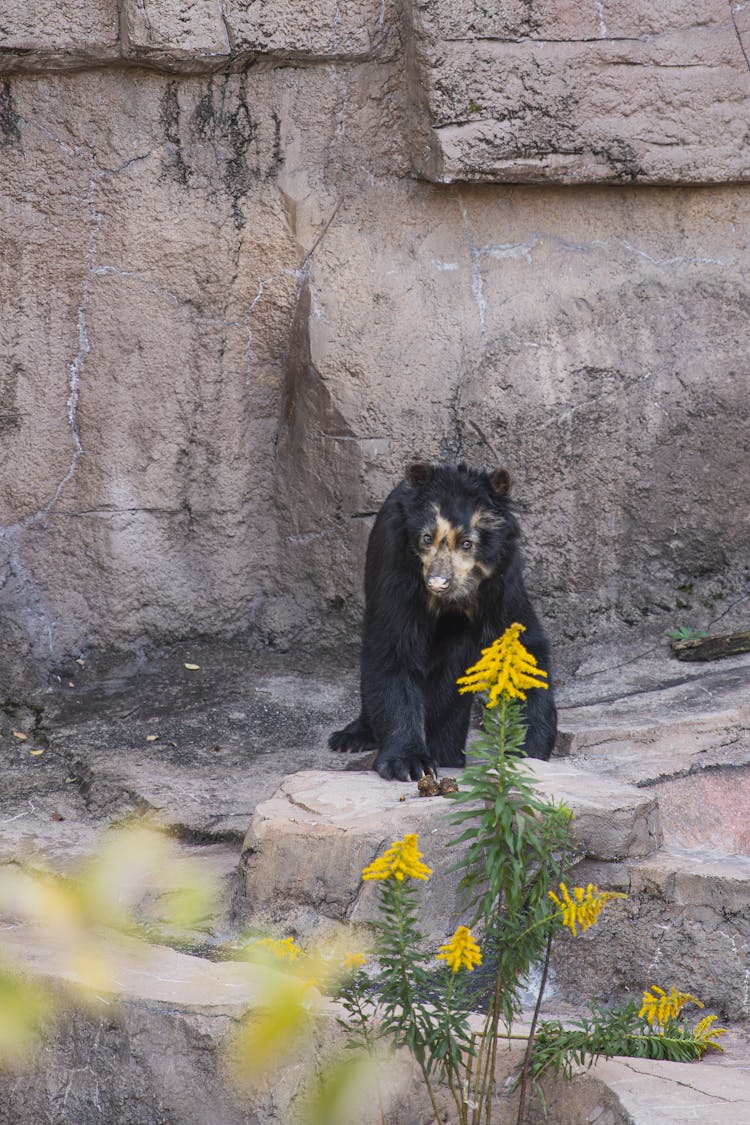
(448, 559)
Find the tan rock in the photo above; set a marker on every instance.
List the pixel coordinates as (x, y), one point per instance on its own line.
(323, 30)
(58, 32)
(307, 846)
(637, 96)
(156, 30)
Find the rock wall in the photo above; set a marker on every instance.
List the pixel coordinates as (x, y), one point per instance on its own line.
(256, 256)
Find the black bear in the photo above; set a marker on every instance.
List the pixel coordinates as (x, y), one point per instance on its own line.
(443, 579)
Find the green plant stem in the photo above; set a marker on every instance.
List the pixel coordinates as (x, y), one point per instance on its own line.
(430, 1091)
(450, 1068)
(489, 1078)
(492, 1053)
(534, 1021)
(484, 1039)
(460, 1105)
(469, 1068)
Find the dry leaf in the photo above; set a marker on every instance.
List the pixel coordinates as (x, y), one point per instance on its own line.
(192, 667)
(152, 737)
(39, 750)
(20, 735)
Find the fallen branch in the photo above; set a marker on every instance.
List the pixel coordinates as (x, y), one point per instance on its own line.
(712, 648)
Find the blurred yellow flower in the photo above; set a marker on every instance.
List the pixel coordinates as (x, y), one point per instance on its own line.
(506, 668)
(354, 961)
(461, 952)
(659, 1006)
(283, 949)
(401, 861)
(584, 908)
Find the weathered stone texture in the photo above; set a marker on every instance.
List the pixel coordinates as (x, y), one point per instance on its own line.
(231, 315)
(46, 31)
(688, 915)
(191, 29)
(307, 846)
(190, 35)
(634, 93)
(326, 29)
(145, 416)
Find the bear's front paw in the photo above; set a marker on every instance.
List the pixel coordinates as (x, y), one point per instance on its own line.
(404, 766)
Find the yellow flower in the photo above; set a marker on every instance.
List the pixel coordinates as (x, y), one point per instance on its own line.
(354, 961)
(706, 1033)
(401, 861)
(662, 1007)
(283, 949)
(506, 668)
(585, 906)
(461, 952)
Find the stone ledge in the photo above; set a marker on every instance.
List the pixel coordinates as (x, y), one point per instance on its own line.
(190, 37)
(159, 1050)
(306, 847)
(661, 99)
(686, 922)
(694, 879)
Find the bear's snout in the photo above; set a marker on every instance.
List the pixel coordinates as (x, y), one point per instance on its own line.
(438, 583)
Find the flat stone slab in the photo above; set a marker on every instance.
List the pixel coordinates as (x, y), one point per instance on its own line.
(693, 878)
(307, 846)
(708, 809)
(712, 1092)
(645, 730)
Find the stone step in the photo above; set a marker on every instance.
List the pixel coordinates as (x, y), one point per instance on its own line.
(640, 730)
(152, 1048)
(686, 923)
(306, 846)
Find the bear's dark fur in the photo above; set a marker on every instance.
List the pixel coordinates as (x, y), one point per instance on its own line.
(443, 579)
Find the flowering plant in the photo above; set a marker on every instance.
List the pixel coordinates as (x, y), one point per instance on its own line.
(516, 851)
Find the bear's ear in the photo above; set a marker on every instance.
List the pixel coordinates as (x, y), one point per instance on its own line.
(500, 481)
(419, 472)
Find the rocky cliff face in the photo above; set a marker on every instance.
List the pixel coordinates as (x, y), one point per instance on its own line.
(256, 256)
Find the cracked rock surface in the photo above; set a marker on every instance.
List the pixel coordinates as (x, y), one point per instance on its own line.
(242, 733)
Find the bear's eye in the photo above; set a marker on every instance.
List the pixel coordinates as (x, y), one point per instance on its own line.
(426, 539)
(467, 545)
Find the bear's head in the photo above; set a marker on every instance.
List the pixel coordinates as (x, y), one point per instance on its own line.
(461, 529)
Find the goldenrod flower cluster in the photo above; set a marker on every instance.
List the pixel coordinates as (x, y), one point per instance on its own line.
(401, 861)
(461, 952)
(659, 1006)
(584, 908)
(354, 961)
(707, 1033)
(506, 668)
